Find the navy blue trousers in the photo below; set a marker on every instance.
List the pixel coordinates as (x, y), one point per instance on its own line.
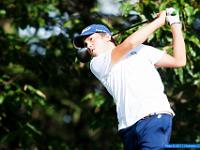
(149, 133)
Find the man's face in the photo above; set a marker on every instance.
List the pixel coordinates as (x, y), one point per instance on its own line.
(95, 43)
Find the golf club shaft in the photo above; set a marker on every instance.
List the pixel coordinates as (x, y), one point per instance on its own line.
(140, 23)
(133, 26)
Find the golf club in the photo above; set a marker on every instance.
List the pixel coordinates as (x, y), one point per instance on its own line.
(83, 54)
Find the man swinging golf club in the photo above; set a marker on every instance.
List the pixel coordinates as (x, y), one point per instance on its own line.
(128, 71)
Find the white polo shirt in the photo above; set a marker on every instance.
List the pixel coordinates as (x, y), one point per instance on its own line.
(134, 83)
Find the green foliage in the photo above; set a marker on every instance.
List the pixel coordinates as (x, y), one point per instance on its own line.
(49, 100)
(16, 108)
(125, 8)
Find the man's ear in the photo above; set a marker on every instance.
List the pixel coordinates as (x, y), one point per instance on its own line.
(107, 37)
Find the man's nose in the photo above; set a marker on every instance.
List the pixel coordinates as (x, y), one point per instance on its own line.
(90, 45)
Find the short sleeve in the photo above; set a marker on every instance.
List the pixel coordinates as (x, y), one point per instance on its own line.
(151, 53)
(100, 65)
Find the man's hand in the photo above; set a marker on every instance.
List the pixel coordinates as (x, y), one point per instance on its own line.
(172, 16)
(161, 16)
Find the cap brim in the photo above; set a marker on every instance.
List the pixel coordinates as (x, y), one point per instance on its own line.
(78, 41)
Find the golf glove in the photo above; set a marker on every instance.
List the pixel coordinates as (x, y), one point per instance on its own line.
(172, 16)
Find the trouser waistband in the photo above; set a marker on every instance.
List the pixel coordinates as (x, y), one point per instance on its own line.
(157, 113)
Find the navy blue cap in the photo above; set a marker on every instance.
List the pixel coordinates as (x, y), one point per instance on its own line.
(89, 30)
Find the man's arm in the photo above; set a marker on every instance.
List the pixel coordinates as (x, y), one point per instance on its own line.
(178, 59)
(137, 37)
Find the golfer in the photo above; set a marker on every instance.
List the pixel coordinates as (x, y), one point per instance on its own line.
(128, 71)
